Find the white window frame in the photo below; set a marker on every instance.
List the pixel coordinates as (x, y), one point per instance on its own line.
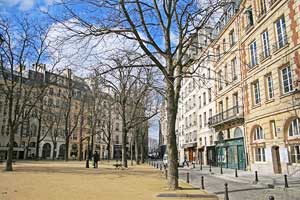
(270, 86)
(256, 92)
(260, 154)
(288, 80)
(258, 133)
(280, 27)
(266, 43)
(294, 128)
(253, 54)
(295, 153)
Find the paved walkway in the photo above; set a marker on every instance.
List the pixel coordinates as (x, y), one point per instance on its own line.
(244, 186)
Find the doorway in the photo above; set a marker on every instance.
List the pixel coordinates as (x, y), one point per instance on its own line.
(276, 160)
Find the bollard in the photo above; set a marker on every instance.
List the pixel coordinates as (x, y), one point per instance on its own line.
(160, 167)
(157, 166)
(193, 165)
(166, 173)
(226, 197)
(256, 176)
(271, 198)
(221, 171)
(236, 174)
(286, 185)
(202, 182)
(188, 177)
(201, 166)
(209, 166)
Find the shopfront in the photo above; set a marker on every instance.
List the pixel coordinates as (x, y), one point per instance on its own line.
(231, 153)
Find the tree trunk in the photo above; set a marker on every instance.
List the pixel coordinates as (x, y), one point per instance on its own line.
(124, 152)
(131, 153)
(67, 141)
(108, 149)
(142, 152)
(171, 142)
(136, 148)
(80, 150)
(38, 138)
(54, 150)
(9, 166)
(92, 143)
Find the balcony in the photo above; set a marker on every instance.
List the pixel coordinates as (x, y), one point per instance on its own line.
(232, 115)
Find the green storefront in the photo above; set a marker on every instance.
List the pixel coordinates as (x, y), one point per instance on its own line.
(231, 153)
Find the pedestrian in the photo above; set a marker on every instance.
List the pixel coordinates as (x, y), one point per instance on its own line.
(96, 159)
(185, 161)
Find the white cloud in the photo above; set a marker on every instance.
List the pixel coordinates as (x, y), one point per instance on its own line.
(24, 5)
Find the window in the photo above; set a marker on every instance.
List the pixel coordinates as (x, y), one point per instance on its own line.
(220, 80)
(209, 94)
(295, 154)
(270, 90)
(253, 54)
(204, 98)
(230, 12)
(236, 102)
(266, 45)
(287, 82)
(211, 140)
(200, 121)
(210, 113)
(231, 38)
(205, 120)
(234, 68)
(281, 32)
(50, 91)
(117, 139)
(224, 45)
(117, 126)
(263, 7)
(218, 53)
(249, 16)
(200, 102)
(273, 128)
(226, 75)
(258, 133)
(200, 141)
(294, 129)
(260, 154)
(256, 91)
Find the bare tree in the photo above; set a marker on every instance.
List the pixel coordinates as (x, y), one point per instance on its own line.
(22, 43)
(165, 32)
(129, 87)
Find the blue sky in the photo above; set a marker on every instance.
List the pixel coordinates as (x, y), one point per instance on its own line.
(22, 5)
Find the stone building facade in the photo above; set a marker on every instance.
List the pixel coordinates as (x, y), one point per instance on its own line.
(256, 69)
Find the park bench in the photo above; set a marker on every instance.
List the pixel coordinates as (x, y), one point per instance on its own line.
(117, 166)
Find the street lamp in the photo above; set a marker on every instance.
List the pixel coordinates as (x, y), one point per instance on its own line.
(87, 165)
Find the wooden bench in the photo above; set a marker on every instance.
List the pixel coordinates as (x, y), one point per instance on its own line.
(117, 166)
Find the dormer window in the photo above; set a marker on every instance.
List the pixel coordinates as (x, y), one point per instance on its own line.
(249, 16)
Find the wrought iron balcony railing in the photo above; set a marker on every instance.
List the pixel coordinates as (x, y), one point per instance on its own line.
(233, 113)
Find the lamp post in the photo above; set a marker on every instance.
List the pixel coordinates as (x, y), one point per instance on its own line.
(87, 165)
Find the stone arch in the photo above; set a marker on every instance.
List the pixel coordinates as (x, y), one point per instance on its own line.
(287, 125)
(252, 133)
(238, 133)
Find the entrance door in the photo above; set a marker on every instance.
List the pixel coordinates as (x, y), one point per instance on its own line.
(276, 160)
(190, 155)
(241, 157)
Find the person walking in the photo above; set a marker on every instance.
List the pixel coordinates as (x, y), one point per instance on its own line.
(96, 159)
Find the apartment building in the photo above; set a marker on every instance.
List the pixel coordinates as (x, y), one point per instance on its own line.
(256, 69)
(259, 107)
(50, 117)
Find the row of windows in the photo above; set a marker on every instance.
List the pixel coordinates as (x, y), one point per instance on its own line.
(294, 130)
(294, 151)
(286, 83)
